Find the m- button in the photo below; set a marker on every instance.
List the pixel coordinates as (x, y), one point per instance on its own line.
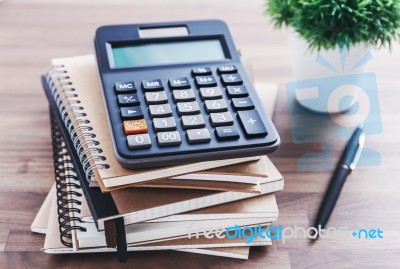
(179, 83)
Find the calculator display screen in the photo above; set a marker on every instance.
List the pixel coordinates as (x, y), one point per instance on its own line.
(167, 53)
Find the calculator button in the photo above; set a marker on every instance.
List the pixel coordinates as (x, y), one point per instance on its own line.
(183, 95)
(135, 126)
(152, 85)
(125, 87)
(138, 141)
(231, 79)
(227, 69)
(193, 121)
(237, 91)
(252, 123)
(169, 138)
(242, 103)
(160, 110)
(221, 119)
(210, 93)
(198, 135)
(128, 99)
(131, 113)
(153, 98)
(201, 71)
(179, 83)
(226, 132)
(218, 105)
(164, 124)
(205, 81)
(188, 108)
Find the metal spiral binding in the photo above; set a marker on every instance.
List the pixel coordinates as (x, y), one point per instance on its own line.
(72, 113)
(66, 182)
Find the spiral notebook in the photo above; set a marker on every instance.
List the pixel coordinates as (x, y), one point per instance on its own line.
(65, 224)
(107, 214)
(74, 87)
(40, 225)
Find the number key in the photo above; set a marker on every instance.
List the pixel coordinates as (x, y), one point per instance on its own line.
(193, 121)
(138, 141)
(216, 105)
(183, 95)
(164, 124)
(169, 138)
(210, 93)
(188, 108)
(160, 111)
(153, 98)
(221, 119)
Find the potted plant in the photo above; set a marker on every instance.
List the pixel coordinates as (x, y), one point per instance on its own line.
(333, 36)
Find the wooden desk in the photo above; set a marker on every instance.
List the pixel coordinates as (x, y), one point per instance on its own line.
(32, 32)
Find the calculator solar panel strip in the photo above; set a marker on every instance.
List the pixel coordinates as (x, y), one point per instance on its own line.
(177, 93)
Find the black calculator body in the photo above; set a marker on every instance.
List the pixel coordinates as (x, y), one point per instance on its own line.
(177, 93)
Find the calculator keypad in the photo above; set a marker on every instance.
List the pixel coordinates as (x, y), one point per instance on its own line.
(199, 101)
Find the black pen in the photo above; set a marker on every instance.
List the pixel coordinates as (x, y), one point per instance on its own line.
(346, 164)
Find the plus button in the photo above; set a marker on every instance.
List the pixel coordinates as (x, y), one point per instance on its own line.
(251, 121)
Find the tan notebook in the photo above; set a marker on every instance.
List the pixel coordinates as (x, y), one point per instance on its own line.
(39, 225)
(142, 204)
(54, 245)
(75, 83)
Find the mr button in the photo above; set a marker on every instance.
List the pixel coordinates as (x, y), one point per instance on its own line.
(135, 126)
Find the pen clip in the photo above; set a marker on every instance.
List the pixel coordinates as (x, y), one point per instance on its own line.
(357, 156)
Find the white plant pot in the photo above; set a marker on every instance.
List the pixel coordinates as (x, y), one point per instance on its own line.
(318, 69)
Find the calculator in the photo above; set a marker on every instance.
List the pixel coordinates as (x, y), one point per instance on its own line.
(177, 93)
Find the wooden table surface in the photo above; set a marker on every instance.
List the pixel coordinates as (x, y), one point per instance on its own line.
(32, 32)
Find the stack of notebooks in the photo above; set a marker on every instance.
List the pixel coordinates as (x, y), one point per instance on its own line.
(96, 205)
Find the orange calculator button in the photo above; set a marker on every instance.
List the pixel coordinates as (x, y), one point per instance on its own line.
(135, 126)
